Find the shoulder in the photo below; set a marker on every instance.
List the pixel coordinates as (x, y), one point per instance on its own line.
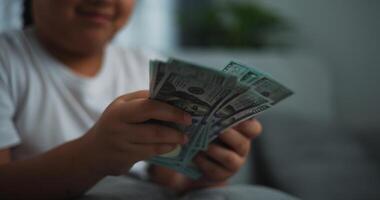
(13, 49)
(10, 47)
(12, 42)
(15, 60)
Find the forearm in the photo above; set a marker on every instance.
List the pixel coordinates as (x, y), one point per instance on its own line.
(62, 173)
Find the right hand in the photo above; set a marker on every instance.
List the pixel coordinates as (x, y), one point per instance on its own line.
(120, 137)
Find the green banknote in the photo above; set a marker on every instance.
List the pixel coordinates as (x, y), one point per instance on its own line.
(216, 100)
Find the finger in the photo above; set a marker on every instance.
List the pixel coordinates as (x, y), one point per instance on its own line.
(135, 95)
(236, 141)
(210, 169)
(154, 134)
(141, 110)
(225, 158)
(250, 128)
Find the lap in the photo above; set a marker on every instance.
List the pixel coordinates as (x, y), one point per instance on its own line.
(238, 192)
(124, 188)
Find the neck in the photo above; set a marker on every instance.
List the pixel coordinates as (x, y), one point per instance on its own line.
(86, 64)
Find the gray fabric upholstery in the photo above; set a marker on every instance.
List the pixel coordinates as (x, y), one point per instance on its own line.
(308, 148)
(124, 188)
(316, 160)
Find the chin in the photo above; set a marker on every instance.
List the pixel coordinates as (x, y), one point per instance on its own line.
(88, 47)
(92, 41)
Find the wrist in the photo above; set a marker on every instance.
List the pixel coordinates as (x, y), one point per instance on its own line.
(90, 156)
(100, 158)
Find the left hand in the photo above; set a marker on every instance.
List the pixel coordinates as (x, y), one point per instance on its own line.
(221, 160)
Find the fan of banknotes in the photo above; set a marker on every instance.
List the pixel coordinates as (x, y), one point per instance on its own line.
(216, 100)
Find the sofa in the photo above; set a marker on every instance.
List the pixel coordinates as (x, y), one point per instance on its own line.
(304, 150)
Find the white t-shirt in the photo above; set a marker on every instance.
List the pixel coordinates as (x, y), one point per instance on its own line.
(44, 104)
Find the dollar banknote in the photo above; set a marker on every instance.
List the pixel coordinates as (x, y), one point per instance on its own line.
(216, 100)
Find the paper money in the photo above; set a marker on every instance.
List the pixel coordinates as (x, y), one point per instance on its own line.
(262, 83)
(216, 100)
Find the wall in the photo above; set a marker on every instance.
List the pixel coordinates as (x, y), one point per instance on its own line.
(10, 11)
(345, 33)
(151, 26)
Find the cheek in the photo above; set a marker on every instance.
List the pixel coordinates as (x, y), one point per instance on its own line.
(54, 12)
(125, 9)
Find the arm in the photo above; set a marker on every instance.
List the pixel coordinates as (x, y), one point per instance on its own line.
(61, 173)
(117, 141)
(5, 156)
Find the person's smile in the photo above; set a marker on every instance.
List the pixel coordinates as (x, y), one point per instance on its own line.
(97, 16)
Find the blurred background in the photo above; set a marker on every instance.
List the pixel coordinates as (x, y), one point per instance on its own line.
(322, 143)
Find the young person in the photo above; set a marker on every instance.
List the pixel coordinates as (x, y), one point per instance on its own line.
(72, 108)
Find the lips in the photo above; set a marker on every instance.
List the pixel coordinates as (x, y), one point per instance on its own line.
(96, 16)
